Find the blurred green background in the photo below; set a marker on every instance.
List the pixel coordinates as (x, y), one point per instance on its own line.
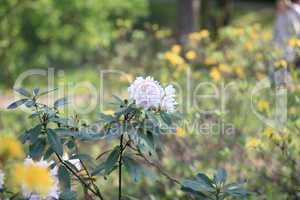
(75, 34)
(78, 38)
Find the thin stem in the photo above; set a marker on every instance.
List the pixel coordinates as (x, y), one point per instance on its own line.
(79, 177)
(120, 167)
(97, 192)
(159, 168)
(102, 154)
(88, 174)
(217, 194)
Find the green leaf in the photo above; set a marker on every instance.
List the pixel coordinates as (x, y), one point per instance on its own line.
(55, 142)
(36, 91)
(118, 99)
(83, 157)
(37, 149)
(134, 168)
(112, 159)
(131, 197)
(34, 133)
(35, 114)
(23, 92)
(46, 92)
(146, 143)
(71, 144)
(83, 134)
(166, 118)
(68, 195)
(106, 118)
(17, 104)
(198, 186)
(152, 117)
(204, 180)
(108, 166)
(64, 122)
(236, 189)
(48, 153)
(192, 187)
(29, 103)
(60, 102)
(64, 177)
(221, 176)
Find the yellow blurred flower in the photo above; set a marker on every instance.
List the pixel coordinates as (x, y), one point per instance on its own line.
(194, 37)
(162, 33)
(174, 58)
(275, 137)
(231, 55)
(254, 35)
(10, 148)
(224, 68)
(109, 112)
(249, 46)
(180, 132)
(33, 178)
(267, 36)
(281, 64)
(191, 55)
(239, 71)
(253, 143)
(268, 132)
(292, 110)
(263, 105)
(204, 33)
(176, 48)
(210, 61)
(238, 31)
(180, 69)
(260, 76)
(126, 78)
(259, 57)
(215, 74)
(197, 36)
(294, 42)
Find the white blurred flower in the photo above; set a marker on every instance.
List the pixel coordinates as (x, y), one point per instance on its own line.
(168, 102)
(2, 176)
(54, 190)
(75, 162)
(147, 93)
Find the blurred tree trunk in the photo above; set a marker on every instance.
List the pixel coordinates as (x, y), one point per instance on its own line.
(226, 7)
(204, 13)
(188, 14)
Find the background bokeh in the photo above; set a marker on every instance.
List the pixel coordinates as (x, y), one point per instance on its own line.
(182, 42)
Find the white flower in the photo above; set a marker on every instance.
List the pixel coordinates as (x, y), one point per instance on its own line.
(75, 162)
(2, 176)
(168, 102)
(54, 191)
(147, 93)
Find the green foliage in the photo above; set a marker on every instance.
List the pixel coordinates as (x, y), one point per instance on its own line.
(137, 131)
(205, 188)
(64, 33)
